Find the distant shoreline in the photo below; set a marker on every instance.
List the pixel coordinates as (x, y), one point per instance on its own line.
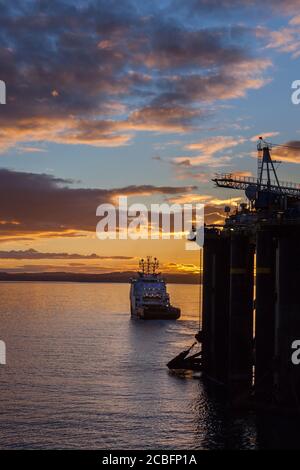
(114, 277)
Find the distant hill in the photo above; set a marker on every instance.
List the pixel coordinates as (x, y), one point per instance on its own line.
(120, 277)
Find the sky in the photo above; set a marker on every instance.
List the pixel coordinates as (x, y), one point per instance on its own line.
(143, 99)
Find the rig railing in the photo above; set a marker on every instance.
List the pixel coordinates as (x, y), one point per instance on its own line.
(229, 180)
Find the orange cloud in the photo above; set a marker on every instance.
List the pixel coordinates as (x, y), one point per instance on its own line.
(290, 154)
(43, 205)
(113, 74)
(209, 148)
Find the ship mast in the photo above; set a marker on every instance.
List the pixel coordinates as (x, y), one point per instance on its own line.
(149, 266)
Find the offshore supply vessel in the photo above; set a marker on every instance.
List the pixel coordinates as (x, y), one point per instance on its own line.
(149, 299)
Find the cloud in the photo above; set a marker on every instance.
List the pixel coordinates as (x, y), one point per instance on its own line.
(295, 20)
(252, 7)
(54, 268)
(243, 174)
(193, 173)
(209, 148)
(207, 160)
(213, 213)
(33, 254)
(264, 135)
(47, 206)
(98, 72)
(215, 144)
(290, 153)
(286, 40)
(15, 239)
(157, 158)
(26, 149)
(41, 205)
(191, 198)
(206, 199)
(182, 267)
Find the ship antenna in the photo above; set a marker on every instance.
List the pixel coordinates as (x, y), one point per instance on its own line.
(142, 265)
(148, 264)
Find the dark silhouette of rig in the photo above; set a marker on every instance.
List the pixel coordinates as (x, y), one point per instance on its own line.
(251, 291)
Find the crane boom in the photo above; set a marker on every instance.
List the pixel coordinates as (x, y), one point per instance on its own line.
(264, 182)
(229, 180)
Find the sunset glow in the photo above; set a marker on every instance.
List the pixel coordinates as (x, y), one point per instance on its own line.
(147, 101)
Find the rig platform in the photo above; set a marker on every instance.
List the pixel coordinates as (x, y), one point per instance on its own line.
(251, 291)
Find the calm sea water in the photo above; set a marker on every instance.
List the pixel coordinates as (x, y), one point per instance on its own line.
(80, 374)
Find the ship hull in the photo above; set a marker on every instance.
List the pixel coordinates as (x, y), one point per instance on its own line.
(156, 313)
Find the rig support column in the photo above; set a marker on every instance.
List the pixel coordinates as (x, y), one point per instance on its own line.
(287, 377)
(215, 310)
(266, 243)
(241, 314)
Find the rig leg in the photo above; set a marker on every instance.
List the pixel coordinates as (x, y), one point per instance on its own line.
(241, 315)
(266, 243)
(287, 377)
(216, 305)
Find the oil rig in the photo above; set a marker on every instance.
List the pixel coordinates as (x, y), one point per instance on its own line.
(251, 291)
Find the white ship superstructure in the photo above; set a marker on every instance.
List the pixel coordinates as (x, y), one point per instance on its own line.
(149, 298)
